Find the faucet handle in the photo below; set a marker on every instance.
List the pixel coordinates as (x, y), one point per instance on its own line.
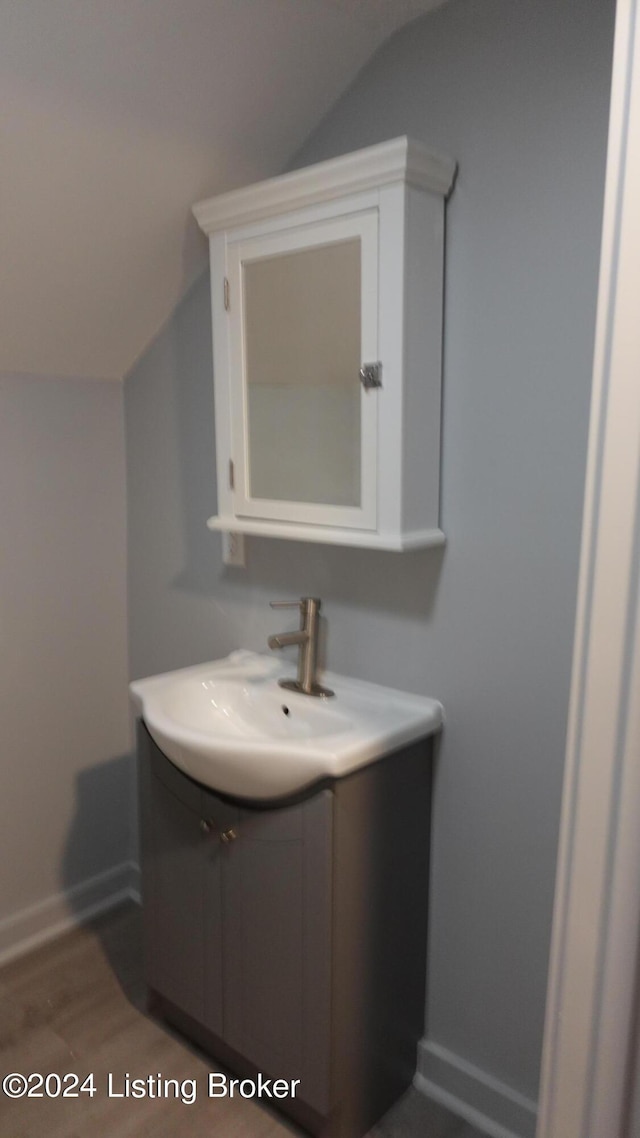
(303, 603)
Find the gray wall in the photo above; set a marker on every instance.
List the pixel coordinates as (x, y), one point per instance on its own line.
(64, 721)
(518, 93)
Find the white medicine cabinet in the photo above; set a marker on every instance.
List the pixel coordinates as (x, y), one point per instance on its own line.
(327, 342)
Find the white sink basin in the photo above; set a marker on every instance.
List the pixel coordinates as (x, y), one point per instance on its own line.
(229, 725)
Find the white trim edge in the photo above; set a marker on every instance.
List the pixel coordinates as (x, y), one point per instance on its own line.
(482, 1100)
(37, 924)
(374, 166)
(329, 535)
(590, 997)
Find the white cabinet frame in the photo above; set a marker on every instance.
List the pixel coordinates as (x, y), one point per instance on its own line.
(273, 241)
(399, 188)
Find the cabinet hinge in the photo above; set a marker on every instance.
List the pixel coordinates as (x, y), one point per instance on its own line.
(227, 303)
(232, 475)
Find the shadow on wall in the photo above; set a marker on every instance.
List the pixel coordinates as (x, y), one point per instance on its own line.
(192, 394)
(97, 865)
(400, 583)
(97, 858)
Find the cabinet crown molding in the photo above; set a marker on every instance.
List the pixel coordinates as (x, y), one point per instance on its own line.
(401, 159)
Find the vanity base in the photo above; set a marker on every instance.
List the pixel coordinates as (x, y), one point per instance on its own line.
(289, 939)
(236, 1065)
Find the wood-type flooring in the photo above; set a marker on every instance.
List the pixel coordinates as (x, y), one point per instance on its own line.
(77, 1006)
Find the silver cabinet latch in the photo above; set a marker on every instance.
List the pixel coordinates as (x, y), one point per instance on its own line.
(371, 375)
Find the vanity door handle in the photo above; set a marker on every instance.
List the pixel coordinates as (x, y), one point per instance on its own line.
(228, 835)
(207, 825)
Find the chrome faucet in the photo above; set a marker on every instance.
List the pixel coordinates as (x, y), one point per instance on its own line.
(306, 638)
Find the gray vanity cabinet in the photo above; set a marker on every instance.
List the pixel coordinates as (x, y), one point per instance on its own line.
(172, 896)
(291, 940)
(182, 889)
(276, 942)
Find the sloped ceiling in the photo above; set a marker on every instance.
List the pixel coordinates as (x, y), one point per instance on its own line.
(117, 116)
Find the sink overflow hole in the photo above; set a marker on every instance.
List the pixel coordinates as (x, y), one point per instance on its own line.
(286, 709)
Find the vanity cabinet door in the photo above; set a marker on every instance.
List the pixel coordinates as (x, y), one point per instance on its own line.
(237, 919)
(184, 831)
(222, 819)
(172, 881)
(277, 943)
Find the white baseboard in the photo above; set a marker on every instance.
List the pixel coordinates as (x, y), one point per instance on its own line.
(488, 1104)
(35, 925)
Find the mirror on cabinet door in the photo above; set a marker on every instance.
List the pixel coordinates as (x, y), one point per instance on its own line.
(302, 346)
